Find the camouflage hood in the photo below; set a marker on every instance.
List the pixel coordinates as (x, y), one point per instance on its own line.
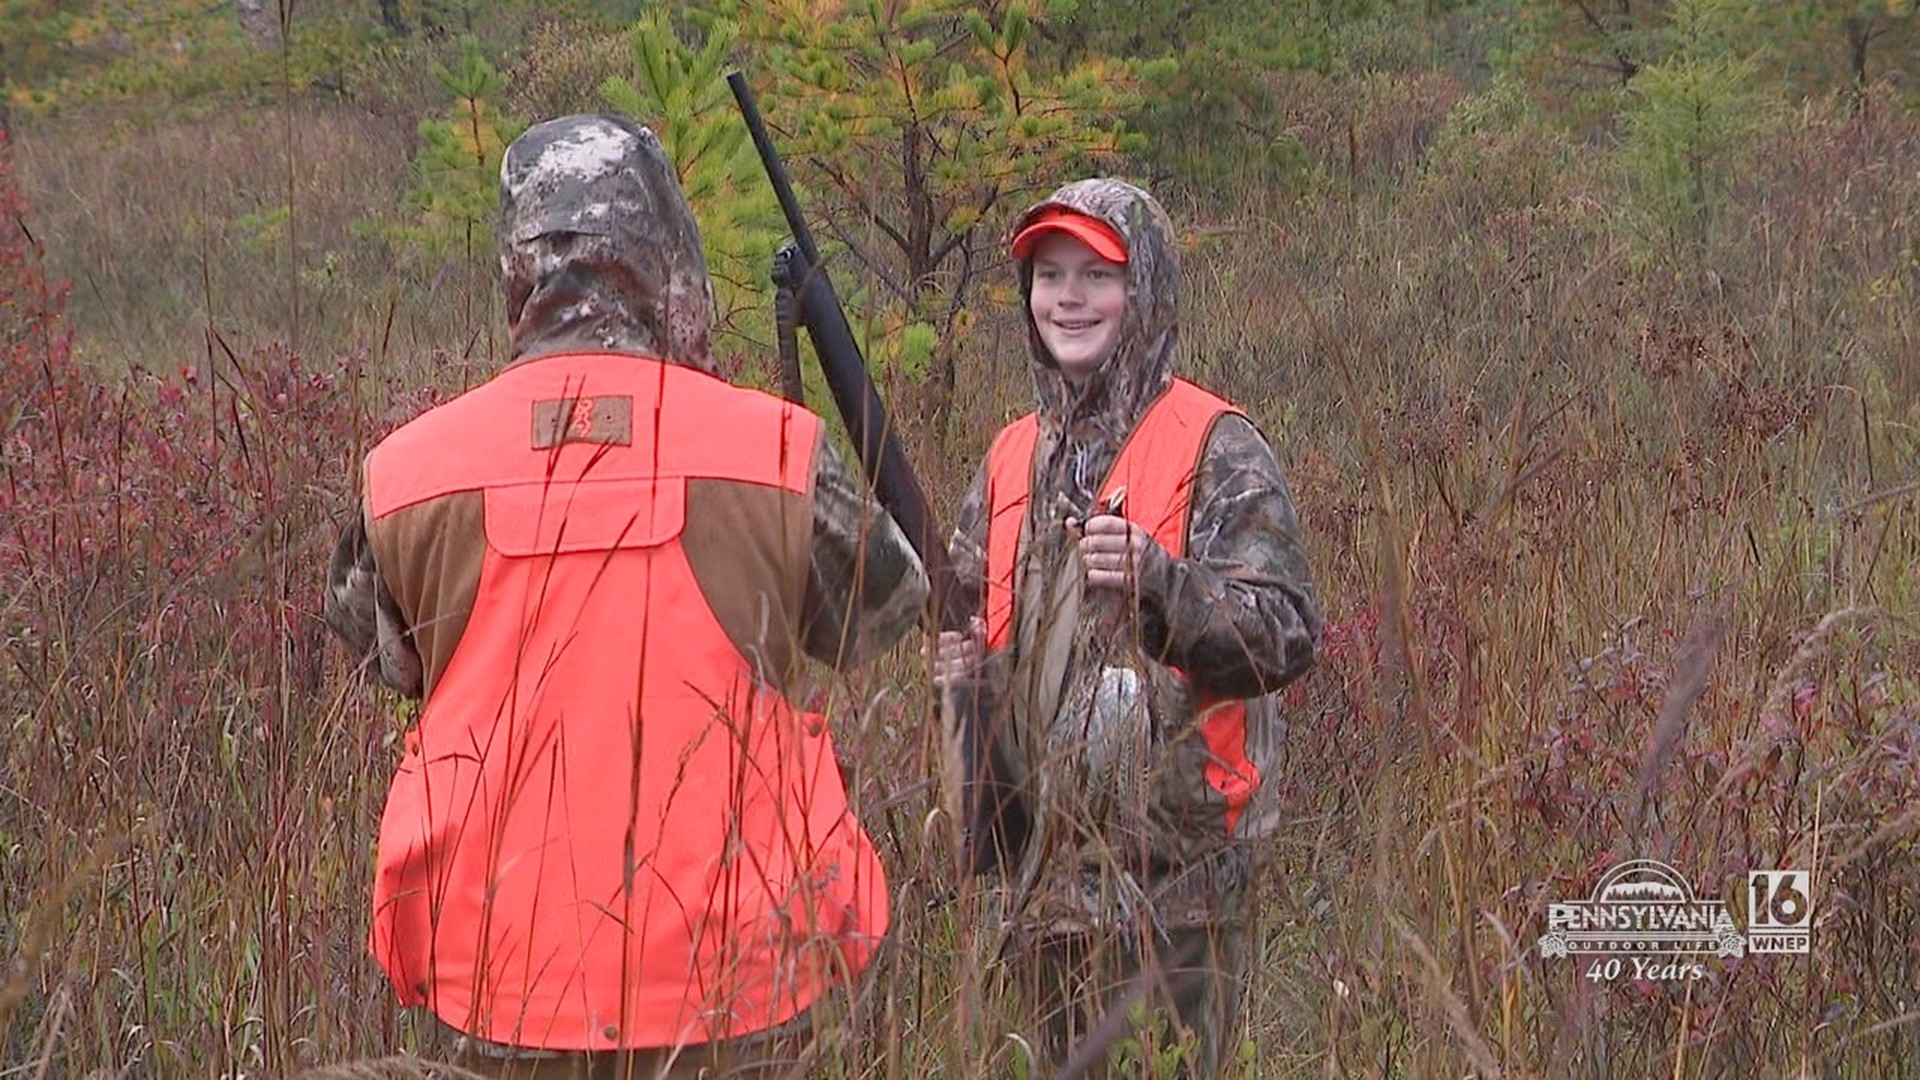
(1083, 427)
(598, 250)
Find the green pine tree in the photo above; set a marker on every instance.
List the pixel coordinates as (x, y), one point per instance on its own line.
(1688, 115)
(680, 91)
(451, 209)
(918, 126)
(457, 167)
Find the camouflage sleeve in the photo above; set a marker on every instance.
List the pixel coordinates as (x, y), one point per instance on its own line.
(968, 552)
(361, 610)
(867, 587)
(1239, 614)
(968, 548)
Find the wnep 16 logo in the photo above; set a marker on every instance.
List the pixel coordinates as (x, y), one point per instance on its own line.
(1779, 911)
(1643, 921)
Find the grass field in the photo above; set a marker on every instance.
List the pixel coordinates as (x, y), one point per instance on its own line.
(1616, 525)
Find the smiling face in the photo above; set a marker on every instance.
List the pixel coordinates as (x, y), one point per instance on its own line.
(1078, 302)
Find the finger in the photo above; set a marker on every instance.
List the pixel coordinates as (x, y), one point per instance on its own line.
(949, 668)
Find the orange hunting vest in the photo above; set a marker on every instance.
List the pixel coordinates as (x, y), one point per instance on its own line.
(1155, 469)
(605, 832)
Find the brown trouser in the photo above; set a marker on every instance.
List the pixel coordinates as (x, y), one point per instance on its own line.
(1107, 1007)
(768, 1055)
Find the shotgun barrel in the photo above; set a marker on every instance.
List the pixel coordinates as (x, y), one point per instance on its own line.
(854, 395)
(996, 822)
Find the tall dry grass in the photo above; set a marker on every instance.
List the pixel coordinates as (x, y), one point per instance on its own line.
(1621, 550)
(1618, 546)
(255, 227)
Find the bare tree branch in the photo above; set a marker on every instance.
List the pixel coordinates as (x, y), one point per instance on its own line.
(866, 208)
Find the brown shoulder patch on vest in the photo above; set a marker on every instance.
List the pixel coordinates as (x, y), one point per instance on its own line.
(607, 420)
(430, 556)
(748, 546)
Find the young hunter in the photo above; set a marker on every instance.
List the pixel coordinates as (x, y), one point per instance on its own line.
(613, 846)
(1142, 592)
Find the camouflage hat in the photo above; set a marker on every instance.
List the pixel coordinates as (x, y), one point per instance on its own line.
(577, 174)
(598, 248)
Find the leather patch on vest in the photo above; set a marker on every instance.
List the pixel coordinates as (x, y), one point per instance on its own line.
(606, 420)
(430, 554)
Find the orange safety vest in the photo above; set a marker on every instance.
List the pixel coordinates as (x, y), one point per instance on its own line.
(605, 832)
(1155, 469)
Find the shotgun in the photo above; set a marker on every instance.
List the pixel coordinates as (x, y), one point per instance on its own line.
(995, 820)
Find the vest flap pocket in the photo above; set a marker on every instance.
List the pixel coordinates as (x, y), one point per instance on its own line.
(596, 515)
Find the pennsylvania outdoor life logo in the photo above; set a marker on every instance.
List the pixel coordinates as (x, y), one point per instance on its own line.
(1644, 921)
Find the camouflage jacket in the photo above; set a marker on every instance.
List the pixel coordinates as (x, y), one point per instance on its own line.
(1092, 712)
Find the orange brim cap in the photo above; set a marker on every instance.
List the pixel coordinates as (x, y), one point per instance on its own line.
(1103, 238)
